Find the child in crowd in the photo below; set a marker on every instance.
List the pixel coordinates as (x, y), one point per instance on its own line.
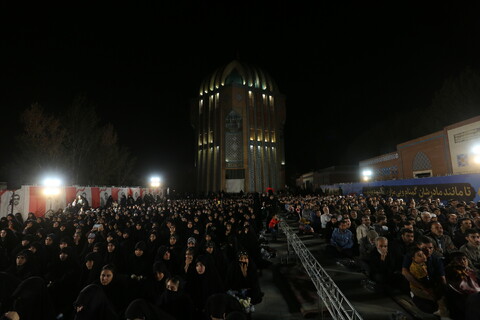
(418, 269)
(424, 289)
(273, 226)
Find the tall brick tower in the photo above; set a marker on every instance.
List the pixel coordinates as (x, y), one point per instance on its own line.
(238, 118)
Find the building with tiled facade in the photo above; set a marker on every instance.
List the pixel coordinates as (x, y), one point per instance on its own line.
(453, 150)
(238, 117)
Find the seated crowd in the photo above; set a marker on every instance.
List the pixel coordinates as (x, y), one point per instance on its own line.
(429, 250)
(169, 259)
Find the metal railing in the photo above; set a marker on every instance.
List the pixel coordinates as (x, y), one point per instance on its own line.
(333, 299)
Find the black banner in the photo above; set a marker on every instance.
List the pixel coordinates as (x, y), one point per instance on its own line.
(457, 191)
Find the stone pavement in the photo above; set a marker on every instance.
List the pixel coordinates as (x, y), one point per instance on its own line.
(278, 302)
(281, 299)
(289, 293)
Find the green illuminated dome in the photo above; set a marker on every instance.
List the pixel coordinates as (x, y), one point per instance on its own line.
(238, 73)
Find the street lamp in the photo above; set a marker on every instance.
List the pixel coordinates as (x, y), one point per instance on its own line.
(155, 182)
(51, 188)
(367, 174)
(476, 154)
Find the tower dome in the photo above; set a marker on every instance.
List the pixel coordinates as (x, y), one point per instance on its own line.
(238, 73)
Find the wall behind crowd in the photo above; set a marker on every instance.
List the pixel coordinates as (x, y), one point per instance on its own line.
(33, 198)
(464, 187)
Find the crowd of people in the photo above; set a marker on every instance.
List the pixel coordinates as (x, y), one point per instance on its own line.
(153, 258)
(427, 249)
(147, 259)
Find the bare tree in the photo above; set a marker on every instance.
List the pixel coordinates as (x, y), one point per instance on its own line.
(113, 164)
(40, 145)
(85, 152)
(82, 139)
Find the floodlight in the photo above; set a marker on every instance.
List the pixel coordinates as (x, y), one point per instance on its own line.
(52, 186)
(155, 182)
(476, 149)
(367, 173)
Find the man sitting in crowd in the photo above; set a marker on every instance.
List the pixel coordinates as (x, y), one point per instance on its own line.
(472, 248)
(341, 242)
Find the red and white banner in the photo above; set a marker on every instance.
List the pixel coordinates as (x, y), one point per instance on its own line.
(33, 199)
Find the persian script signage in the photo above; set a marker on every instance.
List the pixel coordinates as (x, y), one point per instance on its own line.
(458, 191)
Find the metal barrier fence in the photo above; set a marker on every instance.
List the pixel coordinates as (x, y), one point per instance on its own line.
(333, 299)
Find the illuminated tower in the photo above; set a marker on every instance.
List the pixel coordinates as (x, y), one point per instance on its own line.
(238, 118)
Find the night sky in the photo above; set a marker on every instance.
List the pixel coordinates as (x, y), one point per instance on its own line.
(343, 68)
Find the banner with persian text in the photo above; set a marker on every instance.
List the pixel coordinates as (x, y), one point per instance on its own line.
(463, 187)
(460, 191)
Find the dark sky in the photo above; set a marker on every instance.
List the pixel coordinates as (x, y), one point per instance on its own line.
(341, 66)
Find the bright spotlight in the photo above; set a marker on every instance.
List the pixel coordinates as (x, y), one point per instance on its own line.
(476, 149)
(52, 186)
(155, 182)
(367, 173)
(52, 182)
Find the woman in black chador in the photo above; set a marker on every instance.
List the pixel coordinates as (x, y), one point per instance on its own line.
(32, 301)
(62, 277)
(115, 286)
(9, 284)
(142, 309)
(23, 268)
(203, 283)
(90, 270)
(242, 278)
(154, 287)
(93, 304)
(164, 255)
(175, 301)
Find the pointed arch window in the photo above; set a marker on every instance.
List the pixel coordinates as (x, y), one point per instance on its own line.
(421, 162)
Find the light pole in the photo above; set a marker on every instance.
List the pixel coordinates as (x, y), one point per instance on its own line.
(12, 201)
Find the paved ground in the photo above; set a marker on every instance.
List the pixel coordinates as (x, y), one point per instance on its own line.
(289, 293)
